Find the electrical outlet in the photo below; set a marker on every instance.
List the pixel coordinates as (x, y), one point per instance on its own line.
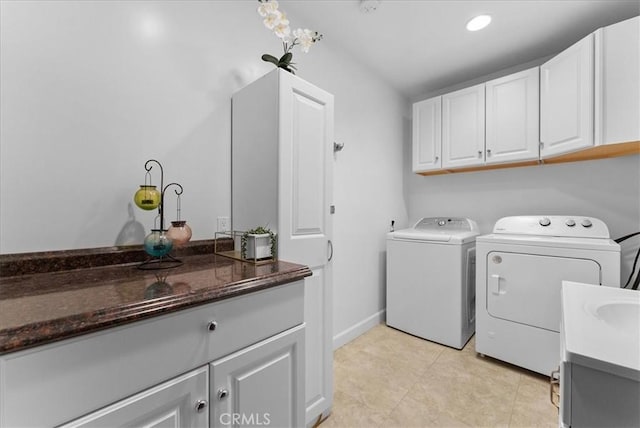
(224, 224)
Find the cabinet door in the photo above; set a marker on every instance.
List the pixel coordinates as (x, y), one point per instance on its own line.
(305, 189)
(618, 82)
(261, 385)
(181, 402)
(566, 100)
(427, 134)
(512, 117)
(463, 127)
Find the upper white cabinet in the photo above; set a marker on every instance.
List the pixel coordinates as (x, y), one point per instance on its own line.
(463, 127)
(490, 123)
(282, 163)
(566, 100)
(427, 135)
(512, 117)
(617, 73)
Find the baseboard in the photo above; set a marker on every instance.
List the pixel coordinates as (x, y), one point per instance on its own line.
(356, 330)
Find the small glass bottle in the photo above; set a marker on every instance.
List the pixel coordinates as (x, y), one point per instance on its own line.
(157, 243)
(179, 232)
(147, 197)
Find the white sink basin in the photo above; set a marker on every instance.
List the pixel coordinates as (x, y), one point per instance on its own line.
(601, 328)
(623, 315)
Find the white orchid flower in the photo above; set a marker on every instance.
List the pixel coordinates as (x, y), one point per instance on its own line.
(282, 30)
(305, 38)
(272, 19)
(267, 7)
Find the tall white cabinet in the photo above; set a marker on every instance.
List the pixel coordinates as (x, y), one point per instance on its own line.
(282, 159)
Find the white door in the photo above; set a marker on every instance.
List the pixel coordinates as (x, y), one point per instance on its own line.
(525, 288)
(566, 100)
(463, 127)
(260, 385)
(512, 117)
(305, 224)
(179, 403)
(427, 134)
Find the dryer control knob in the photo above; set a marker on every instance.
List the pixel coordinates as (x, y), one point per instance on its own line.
(544, 221)
(570, 222)
(586, 222)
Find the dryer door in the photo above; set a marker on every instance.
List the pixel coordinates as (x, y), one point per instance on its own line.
(525, 288)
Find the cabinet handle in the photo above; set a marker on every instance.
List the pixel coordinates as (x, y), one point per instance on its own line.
(554, 388)
(222, 394)
(480, 153)
(331, 248)
(201, 405)
(212, 326)
(488, 152)
(437, 157)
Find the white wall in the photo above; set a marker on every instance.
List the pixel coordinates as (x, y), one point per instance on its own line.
(608, 189)
(91, 90)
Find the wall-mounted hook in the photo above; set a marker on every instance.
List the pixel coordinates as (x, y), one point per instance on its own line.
(337, 146)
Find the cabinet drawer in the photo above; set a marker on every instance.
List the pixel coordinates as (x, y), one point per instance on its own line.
(56, 383)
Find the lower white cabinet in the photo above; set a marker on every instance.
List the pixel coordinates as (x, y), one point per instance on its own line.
(261, 385)
(179, 403)
(167, 371)
(593, 398)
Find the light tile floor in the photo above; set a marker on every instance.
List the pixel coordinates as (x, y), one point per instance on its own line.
(386, 378)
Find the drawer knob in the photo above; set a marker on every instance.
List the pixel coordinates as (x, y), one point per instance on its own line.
(212, 326)
(201, 405)
(222, 394)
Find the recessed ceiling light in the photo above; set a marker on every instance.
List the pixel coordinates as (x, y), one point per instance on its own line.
(478, 23)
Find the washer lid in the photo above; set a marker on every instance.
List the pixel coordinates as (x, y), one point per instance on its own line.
(449, 230)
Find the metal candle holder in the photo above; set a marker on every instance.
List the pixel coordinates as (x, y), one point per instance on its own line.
(164, 261)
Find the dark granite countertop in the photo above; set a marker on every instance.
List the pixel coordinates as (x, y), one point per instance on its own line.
(40, 308)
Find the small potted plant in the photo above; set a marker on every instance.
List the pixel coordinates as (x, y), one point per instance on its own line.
(258, 244)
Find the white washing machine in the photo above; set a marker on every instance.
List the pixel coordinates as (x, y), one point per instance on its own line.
(431, 280)
(520, 269)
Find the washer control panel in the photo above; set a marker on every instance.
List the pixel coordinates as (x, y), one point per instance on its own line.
(553, 225)
(446, 223)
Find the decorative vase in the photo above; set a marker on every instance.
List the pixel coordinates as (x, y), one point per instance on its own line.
(179, 232)
(157, 243)
(147, 197)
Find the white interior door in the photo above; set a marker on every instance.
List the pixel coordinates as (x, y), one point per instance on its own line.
(525, 288)
(305, 226)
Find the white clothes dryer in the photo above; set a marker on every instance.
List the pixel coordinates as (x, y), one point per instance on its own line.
(431, 280)
(520, 269)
